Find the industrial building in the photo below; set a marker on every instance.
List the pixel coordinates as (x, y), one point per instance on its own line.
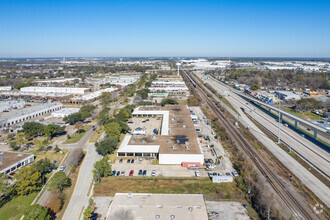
(11, 161)
(285, 95)
(61, 90)
(11, 104)
(37, 97)
(5, 88)
(89, 97)
(64, 112)
(170, 90)
(145, 206)
(177, 141)
(122, 80)
(20, 115)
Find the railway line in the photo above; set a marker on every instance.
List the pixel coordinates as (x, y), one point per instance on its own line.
(298, 210)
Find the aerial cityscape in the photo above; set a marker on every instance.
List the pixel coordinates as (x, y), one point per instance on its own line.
(176, 110)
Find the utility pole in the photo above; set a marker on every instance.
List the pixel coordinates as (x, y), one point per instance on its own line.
(279, 122)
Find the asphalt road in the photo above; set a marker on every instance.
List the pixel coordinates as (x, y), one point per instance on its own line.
(313, 183)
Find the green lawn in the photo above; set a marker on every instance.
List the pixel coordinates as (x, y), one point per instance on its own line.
(15, 208)
(305, 115)
(75, 138)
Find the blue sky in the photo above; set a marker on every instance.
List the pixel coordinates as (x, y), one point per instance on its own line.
(222, 28)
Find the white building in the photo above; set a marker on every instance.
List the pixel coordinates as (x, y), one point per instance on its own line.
(64, 112)
(5, 88)
(122, 80)
(11, 161)
(93, 95)
(11, 104)
(62, 90)
(158, 206)
(24, 114)
(177, 143)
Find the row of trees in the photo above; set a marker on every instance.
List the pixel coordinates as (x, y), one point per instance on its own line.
(33, 129)
(113, 127)
(84, 112)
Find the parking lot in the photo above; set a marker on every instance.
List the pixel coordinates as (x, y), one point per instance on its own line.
(205, 130)
(160, 170)
(148, 123)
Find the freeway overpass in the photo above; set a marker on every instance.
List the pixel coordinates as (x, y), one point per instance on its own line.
(317, 129)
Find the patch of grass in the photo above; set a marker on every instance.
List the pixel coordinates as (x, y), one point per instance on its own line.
(77, 135)
(99, 77)
(96, 135)
(110, 185)
(51, 155)
(305, 115)
(15, 208)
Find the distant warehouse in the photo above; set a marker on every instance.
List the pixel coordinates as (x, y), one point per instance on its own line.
(285, 95)
(63, 90)
(24, 114)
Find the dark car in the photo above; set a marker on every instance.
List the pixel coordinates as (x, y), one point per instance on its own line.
(118, 173)
(129, 161)
(228, 174)
(121, 160)
(132, 161)
(113, 173)
(140, 172)
(144, 172)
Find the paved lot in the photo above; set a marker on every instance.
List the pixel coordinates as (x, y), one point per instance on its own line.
(227, 210)
(102, 206)
(161, 170)
(149, 125)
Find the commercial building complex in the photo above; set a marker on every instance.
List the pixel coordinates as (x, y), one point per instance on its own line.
(285, 95)
(176, 143)
(24, 114)
(11, 161)
(122, 80)
(91, 96)
(62, 90)
(145, 206)
(11, 104)
(65, 112)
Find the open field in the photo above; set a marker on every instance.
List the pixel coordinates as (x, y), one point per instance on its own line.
(110, 185)
(51, 155)
(305, 115)
(96, 135)
(15, 208)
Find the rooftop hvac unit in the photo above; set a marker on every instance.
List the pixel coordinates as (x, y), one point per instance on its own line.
(187, 147)
(2, 153)
(173, 147)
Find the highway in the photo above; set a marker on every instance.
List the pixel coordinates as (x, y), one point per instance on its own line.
(313, 183)
(310, 152)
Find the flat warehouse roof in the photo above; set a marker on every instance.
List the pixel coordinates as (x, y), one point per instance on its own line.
(9, 158)
(145, 206)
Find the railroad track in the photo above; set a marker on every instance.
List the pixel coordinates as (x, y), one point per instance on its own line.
(296, 208)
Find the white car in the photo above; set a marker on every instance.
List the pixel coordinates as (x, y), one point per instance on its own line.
(3, 143)
(212, 166)
(62, 168)
(197, 173)
(235, 174)
(153, 173)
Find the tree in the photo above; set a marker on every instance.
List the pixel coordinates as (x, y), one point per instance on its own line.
(101, 169)
(59, 181)
(28, 179)
(79, 126)
(37, 212)
(103, 116)
(57, 149)
(32, 129)
(107, 145)
(20, 139)
(4, 184)
(43, 165)
(53, 130)
(113, 130)
(88, 213)
(123, 115)
(143, 93)
(13, 145)
(168, 102)
(254, 87)
(73, 118)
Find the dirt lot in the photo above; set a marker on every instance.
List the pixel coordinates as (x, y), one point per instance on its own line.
(226, 210)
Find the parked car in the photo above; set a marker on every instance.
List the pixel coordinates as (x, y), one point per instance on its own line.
(121, 160)
(210, 174)
(129, 161)
(62, 168)
(144, 172)
(235, 174)
(132, 161)
(130, 121)
(131, 172)
(153, 173)
(197, 173)
(286, 125)
(140, 173)
(228, 174)
(302, 135)
(118, 173)
(212, 166)
(113, 173)
(122, 173)
(140, 161)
